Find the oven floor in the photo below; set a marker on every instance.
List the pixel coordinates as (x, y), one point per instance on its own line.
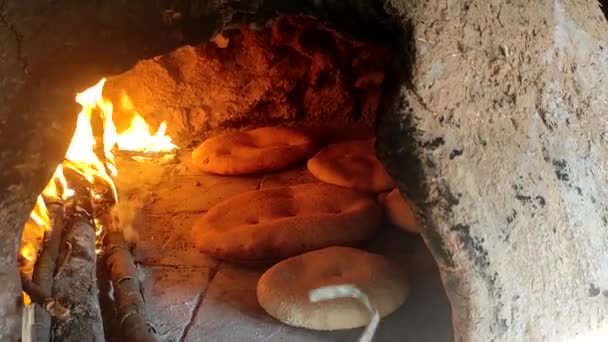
(191, 296)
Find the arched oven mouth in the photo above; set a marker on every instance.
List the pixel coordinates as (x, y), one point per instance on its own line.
(268, 115)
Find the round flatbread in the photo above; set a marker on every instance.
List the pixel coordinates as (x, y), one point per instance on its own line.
(399, 212)
(351, 164)
(283, 290)
(259, 150)
(277, 223)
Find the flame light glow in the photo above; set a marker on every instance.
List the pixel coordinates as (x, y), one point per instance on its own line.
(137, 137)
(83, 157)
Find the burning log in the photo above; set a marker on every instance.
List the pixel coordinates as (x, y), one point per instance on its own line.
(77, 283)
(128, 299)
(45, 266)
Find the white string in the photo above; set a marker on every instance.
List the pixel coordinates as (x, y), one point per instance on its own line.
(349, 291)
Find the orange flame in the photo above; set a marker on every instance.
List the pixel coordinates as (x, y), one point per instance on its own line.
(58, 186)
(137, 137)
(40, 214)
(33, 233)
(82, 158)
(29, 252)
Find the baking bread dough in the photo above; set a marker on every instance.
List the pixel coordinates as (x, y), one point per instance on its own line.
(351, 164)
(283, 290)
(399, 212)
(255, 151)
(272, 224)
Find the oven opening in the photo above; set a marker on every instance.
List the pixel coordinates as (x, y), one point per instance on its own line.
(231, 190)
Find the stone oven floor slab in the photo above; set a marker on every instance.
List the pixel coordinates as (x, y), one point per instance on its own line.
(191, 296)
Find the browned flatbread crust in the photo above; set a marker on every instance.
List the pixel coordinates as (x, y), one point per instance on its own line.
(272, 224)
(399, 212)
(259, 150)
(351, 164)
(283, 290)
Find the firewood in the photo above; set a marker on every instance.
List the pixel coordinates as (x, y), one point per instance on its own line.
(45, 266)
(128, 299)
(63, 257)
(77, 284)
(44, 299)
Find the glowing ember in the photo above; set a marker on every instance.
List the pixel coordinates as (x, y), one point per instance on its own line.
(83, 157)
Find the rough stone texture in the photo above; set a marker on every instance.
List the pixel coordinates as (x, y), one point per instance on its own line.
(295, 70)
(172, 295)
(163, 240)
(505, 113)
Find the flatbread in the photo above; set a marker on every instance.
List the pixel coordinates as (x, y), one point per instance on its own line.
(399, 212)
(259, 150)
(351, 164)
(283, 290)
(273, 224)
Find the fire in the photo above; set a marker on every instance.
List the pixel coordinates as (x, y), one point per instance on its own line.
(57, 186)
(40, 214)
(137, 137)
(81, 155)
(29, 252)
(33, 233)
(94, 162)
